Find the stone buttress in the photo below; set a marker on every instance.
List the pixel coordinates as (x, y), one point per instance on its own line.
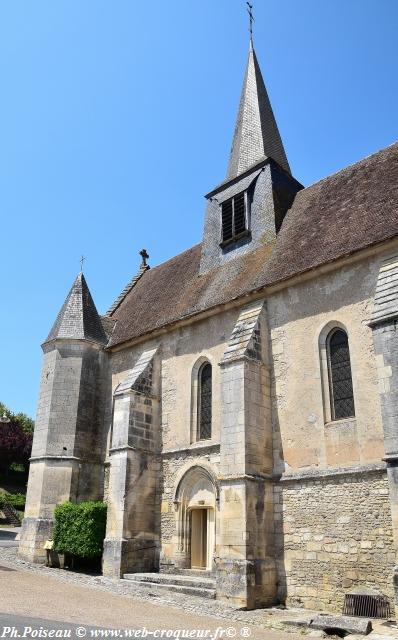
(245, 564)
(384, 323)
(66, 462)
(132, 535)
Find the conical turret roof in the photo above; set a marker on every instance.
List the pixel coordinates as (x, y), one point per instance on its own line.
(78, 318)
(256, 132)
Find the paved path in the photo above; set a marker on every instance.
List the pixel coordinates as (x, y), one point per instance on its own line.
(7, 537)
(67, 597)
(27, 594)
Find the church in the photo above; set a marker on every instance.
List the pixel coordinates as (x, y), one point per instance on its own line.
(237, 406)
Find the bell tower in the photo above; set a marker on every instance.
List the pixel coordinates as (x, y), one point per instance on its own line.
(247, 209)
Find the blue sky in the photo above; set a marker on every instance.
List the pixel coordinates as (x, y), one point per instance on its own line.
(116, 117)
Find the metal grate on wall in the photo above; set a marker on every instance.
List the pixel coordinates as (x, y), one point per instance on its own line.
(366, 606)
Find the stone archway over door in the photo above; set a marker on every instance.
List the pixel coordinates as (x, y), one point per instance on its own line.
(195, 502)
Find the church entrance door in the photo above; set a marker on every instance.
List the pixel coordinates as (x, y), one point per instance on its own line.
(200, 538)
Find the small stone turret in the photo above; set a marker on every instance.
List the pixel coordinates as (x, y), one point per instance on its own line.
(66, 462)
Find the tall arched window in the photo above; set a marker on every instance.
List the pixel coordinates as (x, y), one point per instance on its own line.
(340, 378)
(204, 402)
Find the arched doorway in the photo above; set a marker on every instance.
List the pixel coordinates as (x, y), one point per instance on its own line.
(195, 501)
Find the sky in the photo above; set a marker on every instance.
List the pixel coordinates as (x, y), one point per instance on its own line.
(117, 117)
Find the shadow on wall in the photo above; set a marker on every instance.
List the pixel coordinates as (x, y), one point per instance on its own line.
(279, 523)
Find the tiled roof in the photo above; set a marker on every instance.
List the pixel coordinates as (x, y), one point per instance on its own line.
(127, 289)
(344, 213)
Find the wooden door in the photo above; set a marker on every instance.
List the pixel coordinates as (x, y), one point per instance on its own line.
(199, 538)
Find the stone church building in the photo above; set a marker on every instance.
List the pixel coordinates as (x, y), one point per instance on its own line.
(237, 407)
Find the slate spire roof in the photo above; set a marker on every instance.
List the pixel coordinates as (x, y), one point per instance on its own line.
(78, 318)
(256, 132)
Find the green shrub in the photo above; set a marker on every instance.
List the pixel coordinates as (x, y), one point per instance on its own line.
(80, 528)
(16, 467)
(17, 500)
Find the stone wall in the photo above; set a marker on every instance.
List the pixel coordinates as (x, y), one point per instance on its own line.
(333, 535)
(332, 515)
(180, 351)
(304, 436)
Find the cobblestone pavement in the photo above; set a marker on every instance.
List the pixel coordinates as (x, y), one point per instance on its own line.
(32, 589)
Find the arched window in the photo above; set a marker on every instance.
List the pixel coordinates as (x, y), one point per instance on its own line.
(340, 378)
(204, 402)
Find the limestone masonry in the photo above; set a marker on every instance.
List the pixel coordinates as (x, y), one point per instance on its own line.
(237, 407)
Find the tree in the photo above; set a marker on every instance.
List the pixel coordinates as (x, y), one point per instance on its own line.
(15, 439)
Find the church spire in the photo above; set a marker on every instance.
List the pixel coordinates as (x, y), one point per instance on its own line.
(256, 132)
(78, 318)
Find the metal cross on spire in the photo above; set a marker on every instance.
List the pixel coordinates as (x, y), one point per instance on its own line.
(251, 19)
(82, 259)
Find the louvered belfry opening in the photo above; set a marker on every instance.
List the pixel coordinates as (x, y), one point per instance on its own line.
(233, 214)
(205, 399)
(239, 213)
(340, 378)
(366, 606)
(227, 220)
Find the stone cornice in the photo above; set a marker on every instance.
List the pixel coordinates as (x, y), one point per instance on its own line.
(57, 458)
(192, 449)
(391, 459)
(128, 447)
(319, 474)
(261, 477)
(50, 345)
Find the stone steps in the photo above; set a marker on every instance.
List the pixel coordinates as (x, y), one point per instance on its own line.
(11, 515)
(193, 585)
(197, 573)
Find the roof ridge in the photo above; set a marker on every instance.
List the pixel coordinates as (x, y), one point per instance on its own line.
(127, 289)
(349, 166)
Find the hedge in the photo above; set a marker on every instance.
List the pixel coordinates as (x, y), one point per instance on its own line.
(80, 528)
(16, 500)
